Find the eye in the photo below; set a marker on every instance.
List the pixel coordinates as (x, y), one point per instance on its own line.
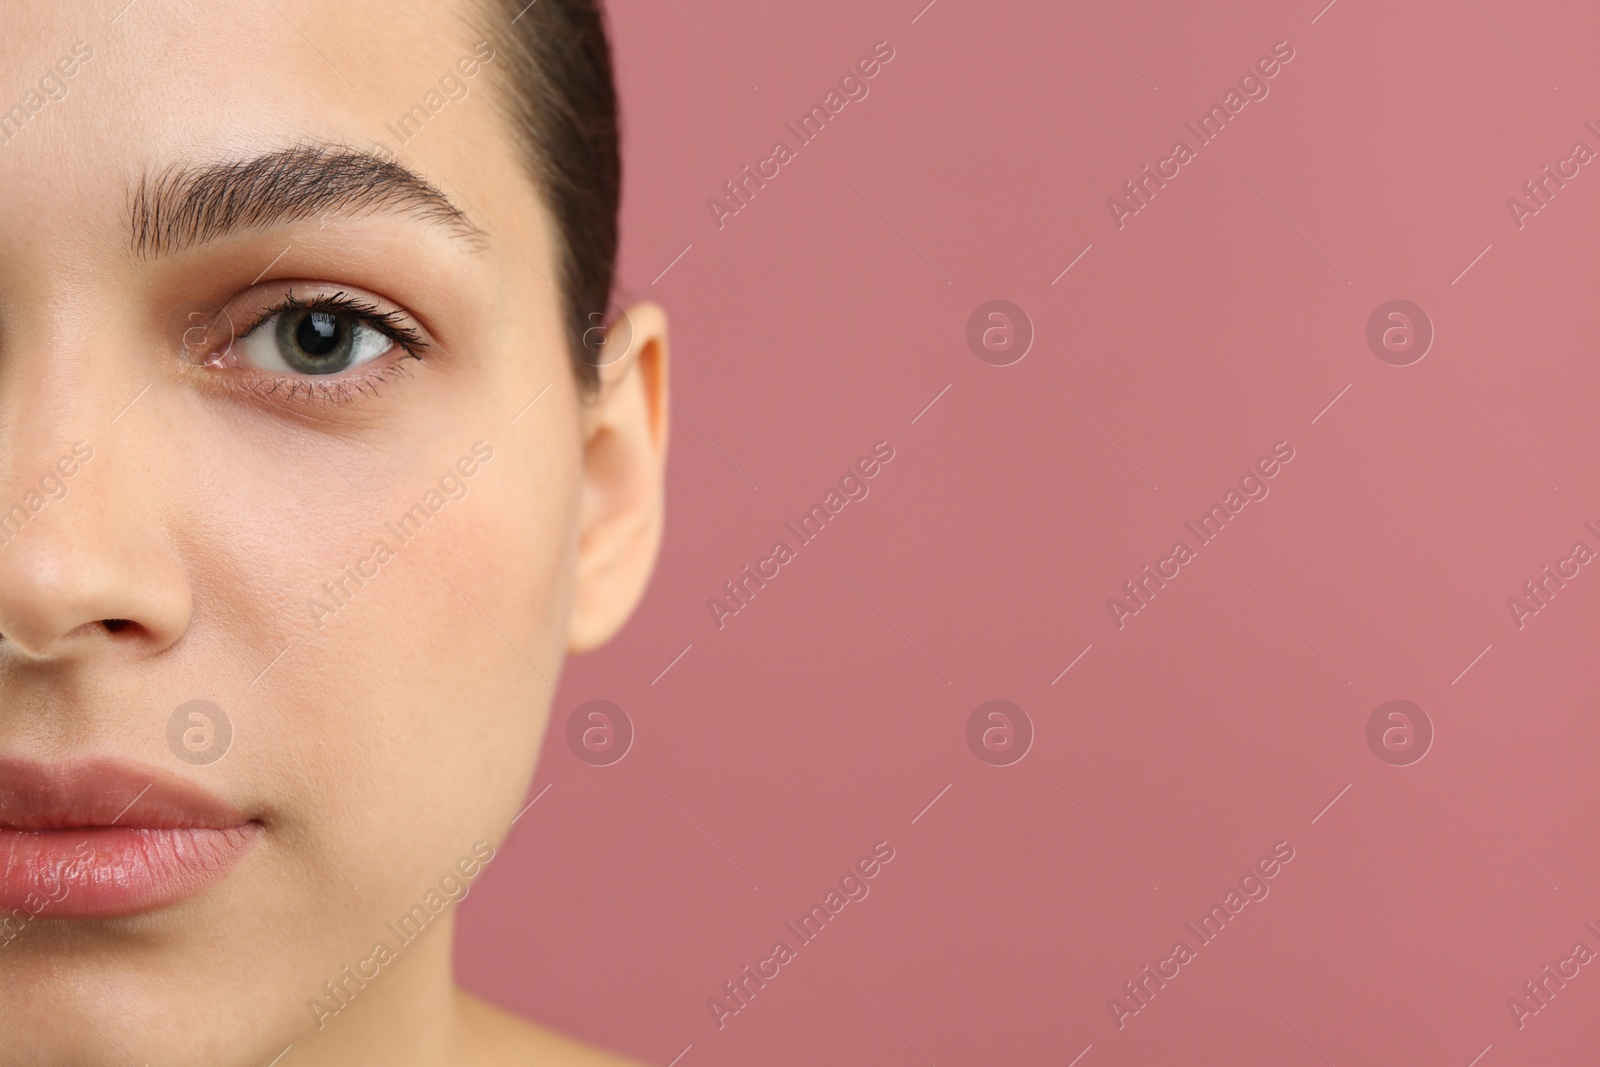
(290, 342)
(320, 338)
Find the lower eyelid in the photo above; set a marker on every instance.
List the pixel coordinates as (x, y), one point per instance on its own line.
(285, 391)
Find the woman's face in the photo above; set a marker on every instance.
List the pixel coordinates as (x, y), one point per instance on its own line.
(290, 430)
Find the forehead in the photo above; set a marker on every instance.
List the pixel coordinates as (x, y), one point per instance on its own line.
(92, 96)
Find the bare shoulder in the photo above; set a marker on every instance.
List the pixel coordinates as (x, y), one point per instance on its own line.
(509, 1040)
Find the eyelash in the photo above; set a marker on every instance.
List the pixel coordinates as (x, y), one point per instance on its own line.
(389, 323)
(337, 389)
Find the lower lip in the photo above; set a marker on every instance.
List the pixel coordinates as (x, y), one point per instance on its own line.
(109, 871)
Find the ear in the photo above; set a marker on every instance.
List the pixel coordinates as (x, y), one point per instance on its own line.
(624, 475)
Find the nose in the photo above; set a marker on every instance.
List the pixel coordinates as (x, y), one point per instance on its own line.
(85, 569)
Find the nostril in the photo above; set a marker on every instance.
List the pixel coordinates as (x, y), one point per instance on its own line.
(114, 625)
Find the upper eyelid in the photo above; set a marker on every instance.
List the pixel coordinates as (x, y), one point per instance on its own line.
(411, 338)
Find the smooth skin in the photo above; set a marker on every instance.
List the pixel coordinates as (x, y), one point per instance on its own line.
(375, 744)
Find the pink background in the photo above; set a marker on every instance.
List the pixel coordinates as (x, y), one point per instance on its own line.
(1224, 717)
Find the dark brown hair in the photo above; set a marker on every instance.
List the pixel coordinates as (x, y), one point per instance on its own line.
(554, 69)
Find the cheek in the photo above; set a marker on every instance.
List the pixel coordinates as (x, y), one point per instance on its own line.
(430, 679)
(462, 638)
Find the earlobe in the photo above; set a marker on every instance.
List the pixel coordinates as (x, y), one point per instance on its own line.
(623, 477)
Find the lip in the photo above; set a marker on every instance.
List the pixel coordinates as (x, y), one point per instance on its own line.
(100, 838)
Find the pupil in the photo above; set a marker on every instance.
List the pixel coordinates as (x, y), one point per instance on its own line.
(318, 334)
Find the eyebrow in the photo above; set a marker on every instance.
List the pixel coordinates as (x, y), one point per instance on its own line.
(188, 205)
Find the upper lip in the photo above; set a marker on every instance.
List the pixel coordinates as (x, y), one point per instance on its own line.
(101, 793)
